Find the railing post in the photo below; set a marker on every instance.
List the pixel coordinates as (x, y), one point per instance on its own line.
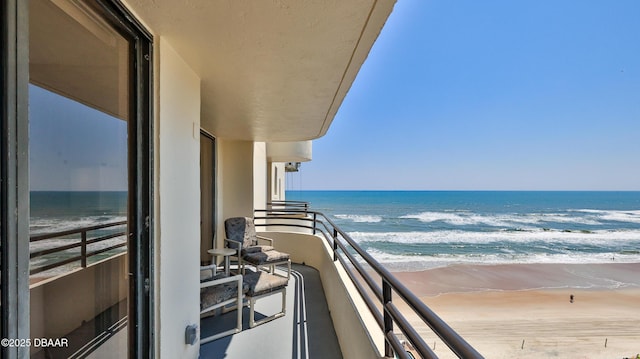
(388, 321)
(335, 244)
(83, 249)
(314, 224)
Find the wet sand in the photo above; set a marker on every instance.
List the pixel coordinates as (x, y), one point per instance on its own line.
(525, 311)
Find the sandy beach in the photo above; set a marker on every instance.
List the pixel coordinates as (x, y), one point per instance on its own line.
(525, 311)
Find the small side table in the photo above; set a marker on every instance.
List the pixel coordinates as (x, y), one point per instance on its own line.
(226, 252)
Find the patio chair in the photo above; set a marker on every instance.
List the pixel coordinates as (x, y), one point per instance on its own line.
(241, 236)
(259, 285)
(219, 291)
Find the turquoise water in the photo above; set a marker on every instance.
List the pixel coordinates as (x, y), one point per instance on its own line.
(54, 211)
(424, 229)
(57, 211)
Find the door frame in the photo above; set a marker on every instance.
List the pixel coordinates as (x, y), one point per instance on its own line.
(14, 180)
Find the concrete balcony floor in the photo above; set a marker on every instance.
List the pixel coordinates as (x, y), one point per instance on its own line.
(306, 331)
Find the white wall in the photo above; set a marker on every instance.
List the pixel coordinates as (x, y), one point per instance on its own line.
(259, 175)
(235, 182)
(177, 237)
(277, 181)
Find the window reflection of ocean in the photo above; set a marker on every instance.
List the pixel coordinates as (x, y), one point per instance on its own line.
(58, 211)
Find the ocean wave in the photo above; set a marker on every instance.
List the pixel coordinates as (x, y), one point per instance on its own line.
(418, 262)
(593, 218)
(615, 216)
(601, 237)
(52, 225)
(360, 218)
(60, 242)
(457, 218)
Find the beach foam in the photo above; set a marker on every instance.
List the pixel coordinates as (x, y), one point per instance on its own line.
(458, 218)
(360, 218)
(603, 237)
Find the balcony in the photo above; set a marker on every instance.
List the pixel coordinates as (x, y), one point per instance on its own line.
(305, 331)
(339, 297)
(340, 301)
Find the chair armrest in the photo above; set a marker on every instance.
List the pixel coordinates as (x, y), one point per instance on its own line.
(207, 276)
(223, 280)
(266, 239)
(233, 244)
(209, 267)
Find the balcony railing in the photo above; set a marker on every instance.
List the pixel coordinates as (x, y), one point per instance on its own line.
(288, 205)
(85, 241)
(346, 250)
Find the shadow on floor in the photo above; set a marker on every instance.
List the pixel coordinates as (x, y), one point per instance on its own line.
(306, 331)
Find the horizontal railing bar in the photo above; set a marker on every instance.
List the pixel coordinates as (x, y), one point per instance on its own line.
(367, 299)
(282, 225)
(396, 345)
(54, 265)
(73, 259)
(454, 341)
(81, 242)
(289, 203)
(408, 330)
(354, 262)
(280, 215)
(90, 254)
(458, 345)
(43, 252)
(104, 238)
(40, 237)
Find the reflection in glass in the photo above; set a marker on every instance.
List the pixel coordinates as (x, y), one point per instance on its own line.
(78, 119)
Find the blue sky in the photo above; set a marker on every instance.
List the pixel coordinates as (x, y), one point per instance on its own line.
(74, 147)
(506, 95)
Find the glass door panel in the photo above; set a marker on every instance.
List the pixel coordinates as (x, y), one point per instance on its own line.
(79, 112)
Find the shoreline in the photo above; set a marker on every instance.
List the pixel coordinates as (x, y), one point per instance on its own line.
(503, 313)
(463, 278)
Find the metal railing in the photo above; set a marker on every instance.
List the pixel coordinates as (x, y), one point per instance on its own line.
(288, 205)
(85, 241)
(345, 250)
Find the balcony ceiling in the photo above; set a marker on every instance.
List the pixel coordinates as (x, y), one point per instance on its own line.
(272, 70)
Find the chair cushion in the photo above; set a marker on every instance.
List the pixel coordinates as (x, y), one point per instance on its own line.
(207, 275)
(255, 249)
(258, 258)
(241, 230)
(263, 282)
(210, 296)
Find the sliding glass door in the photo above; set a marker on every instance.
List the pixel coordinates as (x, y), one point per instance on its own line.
(87, 194)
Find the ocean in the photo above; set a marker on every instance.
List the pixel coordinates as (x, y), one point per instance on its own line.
(415, 230)
(58, 211)
(55, 211)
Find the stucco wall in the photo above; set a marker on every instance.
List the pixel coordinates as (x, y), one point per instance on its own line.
(178, 198)
(259, 175)
(276, 181)
(235, 182)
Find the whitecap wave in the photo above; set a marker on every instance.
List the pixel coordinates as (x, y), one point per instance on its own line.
(595, 238)
(593, 218)
(360, 218)
(417, 262)
(632, 216)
